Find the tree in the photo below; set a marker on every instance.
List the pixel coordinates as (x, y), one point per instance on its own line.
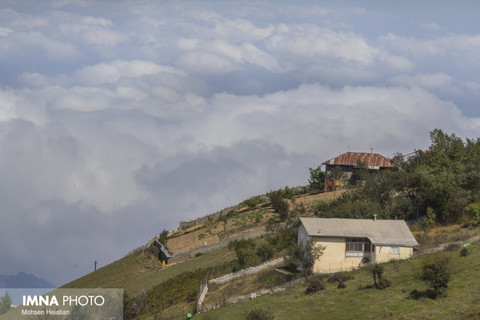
(427, 222)
(5, 303)
(317, 178)
(163, 237)
(265, 251)
(244, 249)
(473, 210)
(279, 204)
(436, 271)
(305, 255)
(360, 173)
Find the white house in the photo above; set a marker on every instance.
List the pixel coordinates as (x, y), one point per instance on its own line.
(349, 243)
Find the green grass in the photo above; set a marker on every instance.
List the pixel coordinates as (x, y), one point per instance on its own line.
(358, 301)
(133, 273)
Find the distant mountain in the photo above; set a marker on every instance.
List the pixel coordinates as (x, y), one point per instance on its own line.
(23, 280)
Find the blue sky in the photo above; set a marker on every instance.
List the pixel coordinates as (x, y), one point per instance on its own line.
(120, 118)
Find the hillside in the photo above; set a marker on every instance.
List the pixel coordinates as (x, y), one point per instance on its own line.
(407, 298)
(141, 269)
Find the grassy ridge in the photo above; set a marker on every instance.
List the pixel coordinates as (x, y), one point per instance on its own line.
(358, 301)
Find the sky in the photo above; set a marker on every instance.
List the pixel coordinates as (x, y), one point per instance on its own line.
(118, 119)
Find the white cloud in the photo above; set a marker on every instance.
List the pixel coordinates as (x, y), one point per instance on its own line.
(240, 30)
(16, 43)
(97, 21)
(5, 31)
(431, 26)
(427, 81)
(460, 48)
(204, 63)
(182, 108)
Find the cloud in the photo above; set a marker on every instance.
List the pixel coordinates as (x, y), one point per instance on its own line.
(431, 26)
(119, 120)
(452, 47)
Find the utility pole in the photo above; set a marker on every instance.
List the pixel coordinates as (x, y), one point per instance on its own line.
(95, 265)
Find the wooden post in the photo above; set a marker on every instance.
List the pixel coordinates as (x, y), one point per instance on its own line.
(95, 266)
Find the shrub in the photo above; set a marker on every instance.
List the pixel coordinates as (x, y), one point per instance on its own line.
(289, 193)
(315, 284)
(341, 285)
(253, 201)
(305, 255)
(259, 314)
(265, 251)
(282, 237)
(436, 270)
(464, 252)
(379, 281)
(198, 254)
(279, 204)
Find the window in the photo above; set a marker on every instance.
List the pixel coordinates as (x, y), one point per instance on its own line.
(356, 247)
(394, 250)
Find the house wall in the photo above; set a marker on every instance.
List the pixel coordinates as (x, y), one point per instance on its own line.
(334, 258)
(302, 234)
(384, 254)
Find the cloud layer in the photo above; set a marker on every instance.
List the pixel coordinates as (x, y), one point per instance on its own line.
(118, 120)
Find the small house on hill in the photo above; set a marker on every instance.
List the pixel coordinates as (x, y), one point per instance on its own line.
(350, 243)
(347, 162)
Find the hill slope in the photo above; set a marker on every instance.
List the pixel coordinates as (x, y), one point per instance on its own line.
(141, 270)
(359, 301)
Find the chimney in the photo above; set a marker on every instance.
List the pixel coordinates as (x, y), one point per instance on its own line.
(374, 217)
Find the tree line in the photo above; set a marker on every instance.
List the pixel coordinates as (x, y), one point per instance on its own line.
(443, 181)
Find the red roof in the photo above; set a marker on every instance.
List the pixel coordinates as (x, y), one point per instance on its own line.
(371, 160)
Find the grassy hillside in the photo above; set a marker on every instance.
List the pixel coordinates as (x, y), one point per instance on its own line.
(359, 301)
(142, 271)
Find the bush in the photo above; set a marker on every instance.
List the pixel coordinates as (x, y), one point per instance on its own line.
(198, 254)
(259, 314)
(464, 252)
(341, 285)
(315, 284)
(379, 281)
(253, 201)
(281, 238)
(289, 193)
(436, 271)
(265, 251)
